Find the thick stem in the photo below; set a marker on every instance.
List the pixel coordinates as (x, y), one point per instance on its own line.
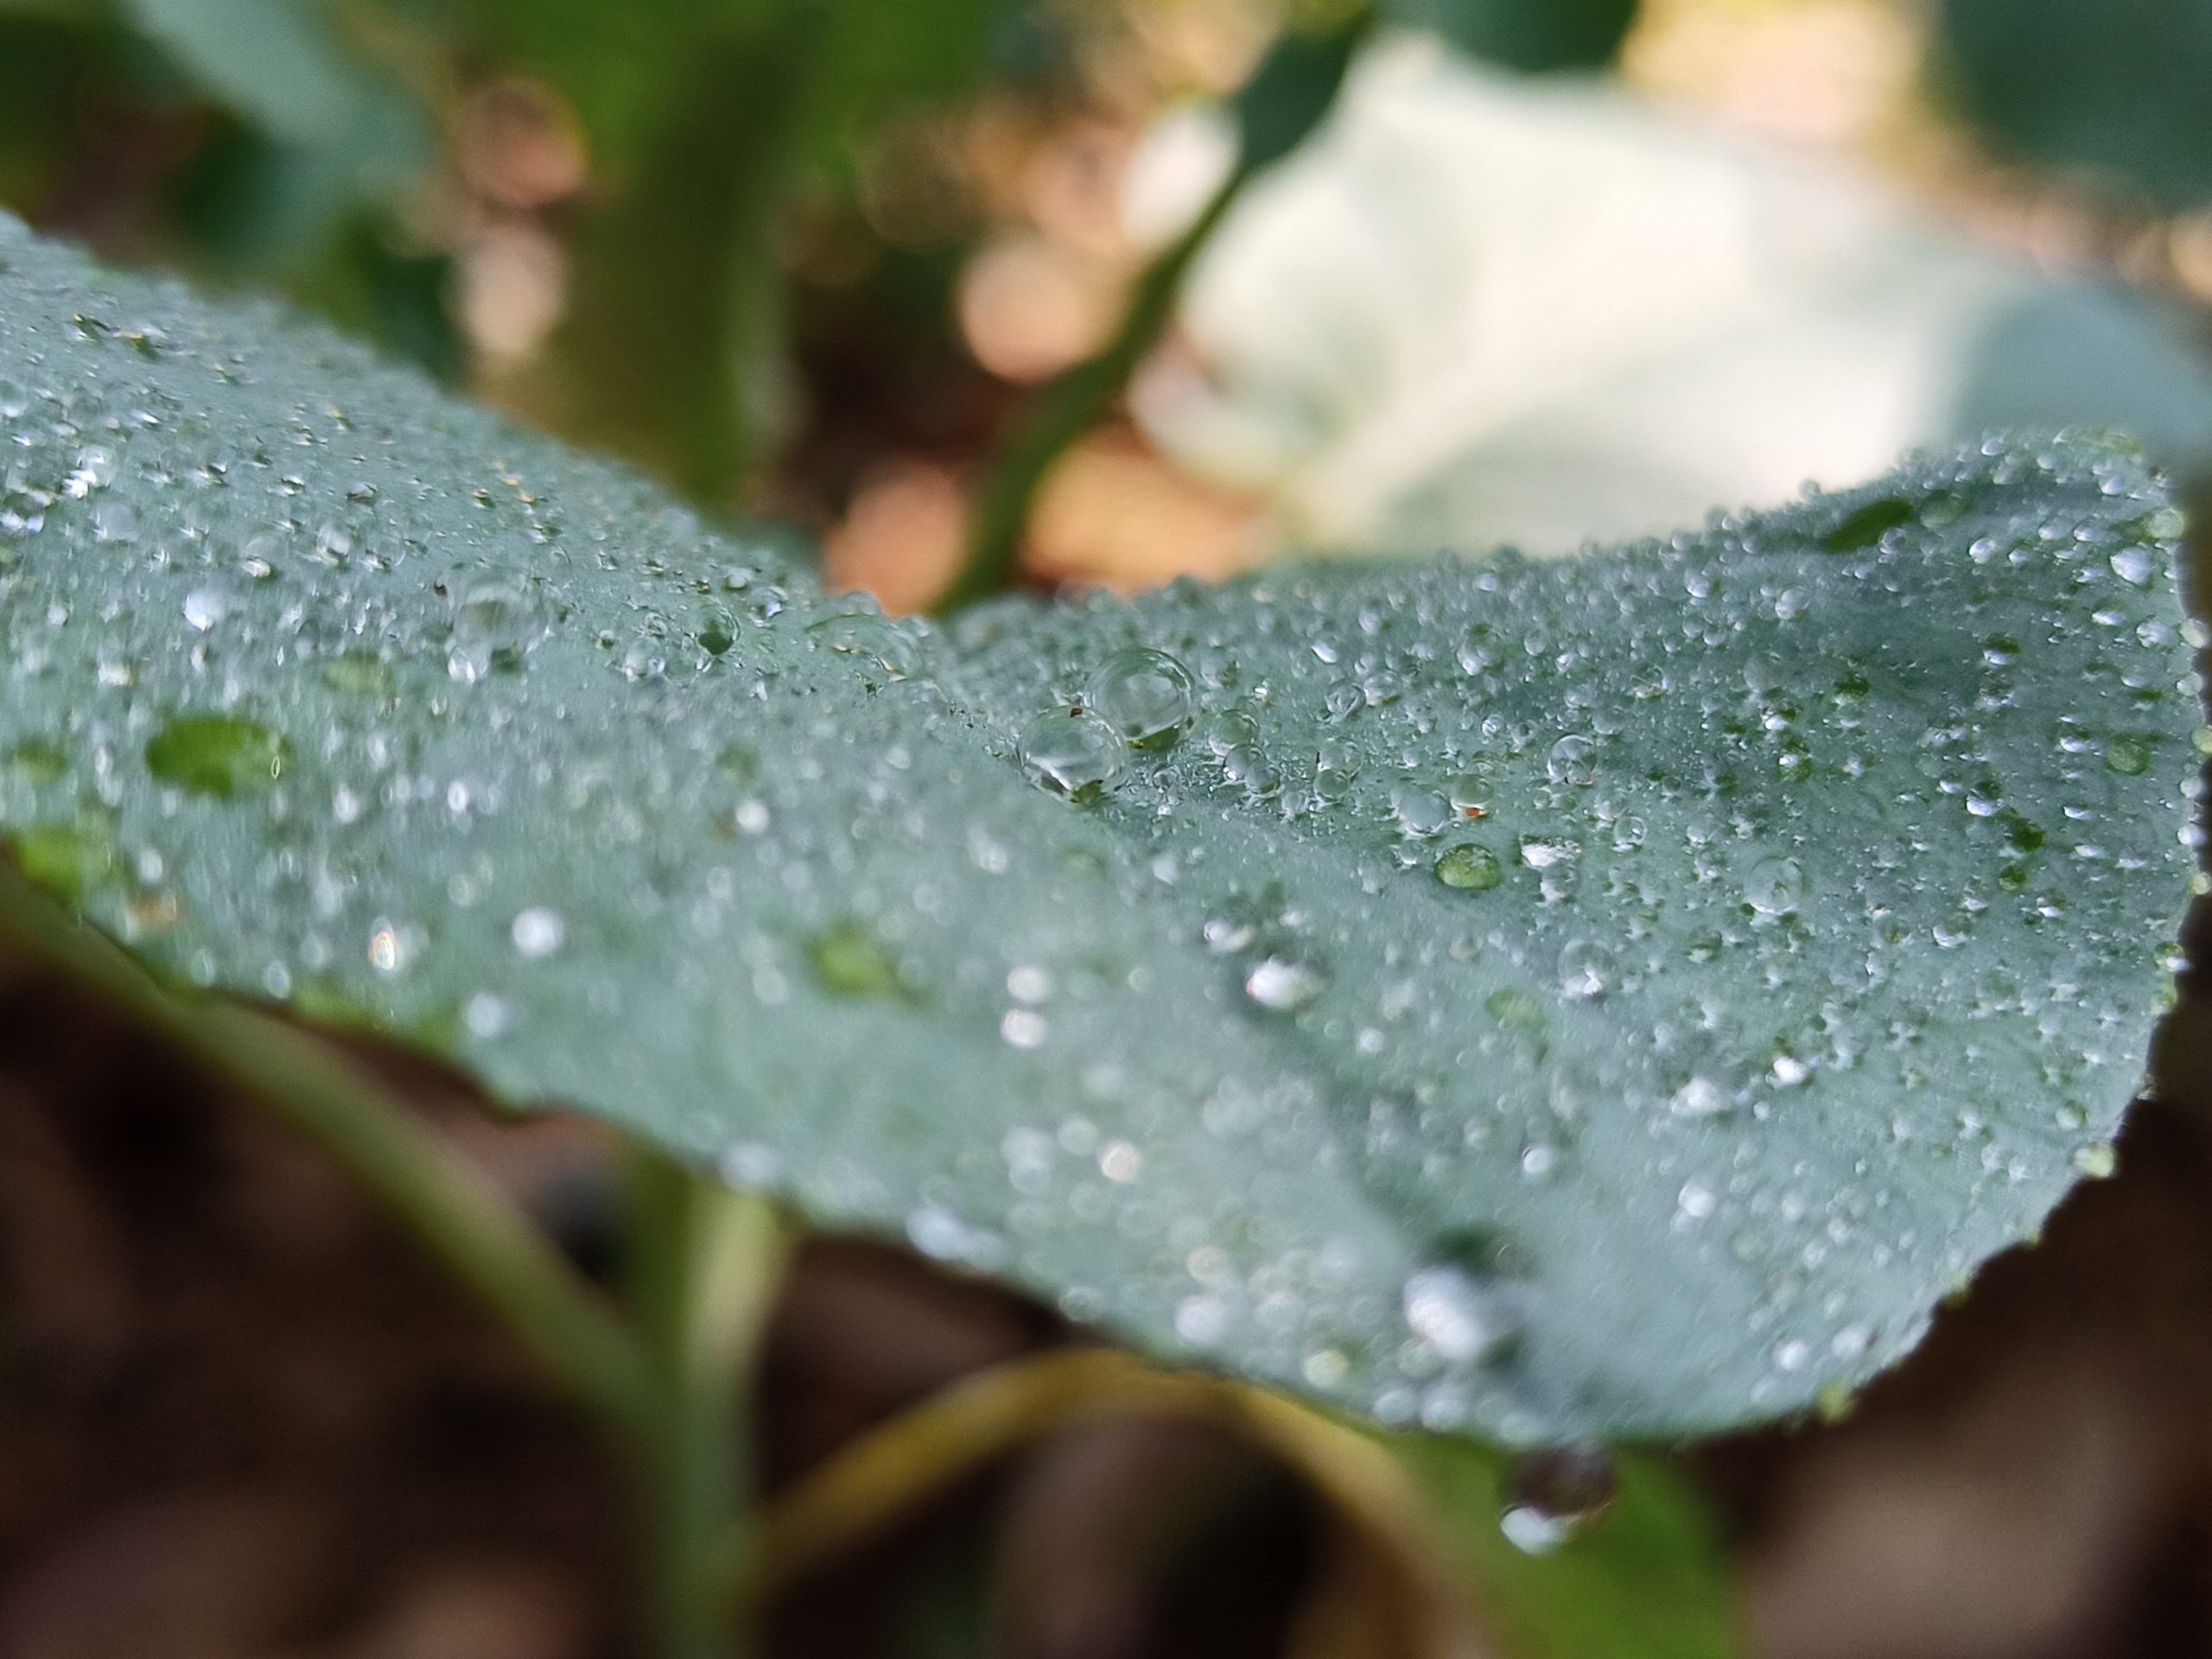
(1287, 98)
(705, 1264)
(445, 1201)
(675, 338)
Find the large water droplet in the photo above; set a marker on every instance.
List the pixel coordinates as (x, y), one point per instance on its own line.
(1283, 985)
(1469, 868)
(1555, 1496)
(498, 620)
(1775, 885)
(1145, 694)
(1571, 761)
(2128, 755)
(1463, 1316)
(1073, 753)
(1420, 811)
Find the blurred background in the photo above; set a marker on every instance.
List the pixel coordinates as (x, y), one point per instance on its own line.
(1537, 272)
(1590, 268)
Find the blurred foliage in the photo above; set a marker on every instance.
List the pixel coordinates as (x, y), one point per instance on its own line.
(1530, 35)
(1651, 1581)
(330, 148)
(2121, 87)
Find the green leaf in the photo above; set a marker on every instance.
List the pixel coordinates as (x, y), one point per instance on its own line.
(1641, 1573)
(2116, 89)
(1535, 36)
(1836, 868)
(714, 116)
(334, 132)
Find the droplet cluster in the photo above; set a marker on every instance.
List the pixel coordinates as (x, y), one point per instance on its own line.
(1563, 1000)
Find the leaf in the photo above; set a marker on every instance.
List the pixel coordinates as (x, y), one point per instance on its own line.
(1531, 35)
(2116, 89)
(1837, 849)
(343, 133)
(1478, 310)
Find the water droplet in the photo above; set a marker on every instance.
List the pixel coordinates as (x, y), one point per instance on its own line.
(2128, 754)
(539, 932)
(1283, 985)
(1145, 694)
(1073, 753)
(498, 621)
(1775, 885)
(1463, 1317)
(1555, 1496)
(1700, 1097)
(1469, 868)
(204, 607)
(2133, 565)
(1571, 761)
(1471, 792)
(218, 755)
(1421, 812)
(1585, 968)
(2097, 1162)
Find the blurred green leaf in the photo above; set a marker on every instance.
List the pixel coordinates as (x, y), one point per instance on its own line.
(2118, 88)
(1531, 35)
(1611, 996)
(715, 118)
(1646, 1579)
(339, 133)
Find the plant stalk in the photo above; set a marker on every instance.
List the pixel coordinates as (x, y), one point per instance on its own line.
(705, 1264)
(438, 1195)
(1287, 97)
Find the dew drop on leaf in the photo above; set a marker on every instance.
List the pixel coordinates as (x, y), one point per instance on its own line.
(1469, 868)
(1775, 885)
(1283, 985)
(1073, 753)
(1556, 1496)
(498, 620)
(1145, 694)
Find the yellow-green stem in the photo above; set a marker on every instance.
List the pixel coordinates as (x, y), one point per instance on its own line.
(705, 1264)
(1287, 98)
(443, 1199)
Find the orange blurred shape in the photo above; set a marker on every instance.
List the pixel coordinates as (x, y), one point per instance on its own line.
(1072, 187)
(1817, 72)
(520, 146)
(901, 537)
(2190, 249)
(1113, 512)
(1029, 308)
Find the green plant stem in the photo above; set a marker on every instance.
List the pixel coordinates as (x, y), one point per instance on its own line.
(705, 1264)
(1287, 98)
(448, 1205)
(1070, 407)
(675, 337)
